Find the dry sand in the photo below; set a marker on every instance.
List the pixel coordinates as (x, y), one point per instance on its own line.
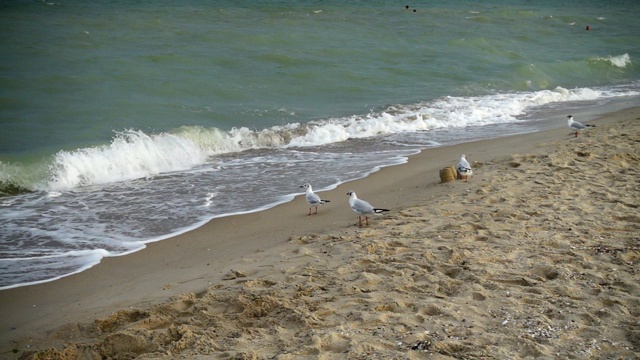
(536, 257)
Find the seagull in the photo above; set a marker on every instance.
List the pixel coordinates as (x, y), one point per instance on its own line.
(577, 126)
(362, 207)
(464, 169)
(312, 198)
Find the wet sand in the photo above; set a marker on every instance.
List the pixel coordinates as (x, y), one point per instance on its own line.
(535, 257)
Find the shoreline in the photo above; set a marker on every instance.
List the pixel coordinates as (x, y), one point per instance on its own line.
(586, 114)
(228, 248)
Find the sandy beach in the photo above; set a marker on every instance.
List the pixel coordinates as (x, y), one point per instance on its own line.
(535, 257)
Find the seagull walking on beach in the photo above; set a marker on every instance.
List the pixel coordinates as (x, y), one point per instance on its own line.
(312, 198)
(577, 126)
(362, 207)
(464, 169)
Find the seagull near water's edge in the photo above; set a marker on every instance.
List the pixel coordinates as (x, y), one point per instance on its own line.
(577, 126)
(312, 198)
(362, 207)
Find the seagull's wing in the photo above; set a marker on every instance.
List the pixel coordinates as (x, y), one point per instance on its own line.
(313, 198)
(464, 164)
(577, 125)
(361, 207)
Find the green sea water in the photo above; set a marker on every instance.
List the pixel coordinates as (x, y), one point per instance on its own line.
(73, 72)
(127, 122)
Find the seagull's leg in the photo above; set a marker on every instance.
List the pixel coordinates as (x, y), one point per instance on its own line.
(359, 220)
(309, 210)
(576, 135)
(316, 210)
(367, 219)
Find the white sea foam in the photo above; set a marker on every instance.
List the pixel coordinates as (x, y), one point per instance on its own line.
(80, 261)
(447, 112)
(135, 154)
(209, 199)
(620, 61)
(131, 155)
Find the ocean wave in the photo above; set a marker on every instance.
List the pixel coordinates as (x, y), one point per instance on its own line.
(15, 179)
(133, 154)
(8, 189)
(532, 76)
(66, 264)
(619, 61)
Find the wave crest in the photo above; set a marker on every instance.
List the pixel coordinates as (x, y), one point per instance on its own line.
(620, 61)
(133, 154)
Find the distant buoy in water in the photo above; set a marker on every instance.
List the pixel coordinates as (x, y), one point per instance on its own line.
(588, 28)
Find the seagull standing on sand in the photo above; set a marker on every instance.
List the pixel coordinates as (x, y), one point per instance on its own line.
(312, 198)
(362, 207)
(577, 126)
(464, 169)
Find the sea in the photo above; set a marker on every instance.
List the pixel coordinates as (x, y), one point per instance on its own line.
(128, 122)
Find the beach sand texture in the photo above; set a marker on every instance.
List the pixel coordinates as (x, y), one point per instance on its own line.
(536, 257)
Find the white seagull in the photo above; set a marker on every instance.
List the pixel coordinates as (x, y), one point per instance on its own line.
(362, 207)
(312, 198)
(577, 126)
(464, 169)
